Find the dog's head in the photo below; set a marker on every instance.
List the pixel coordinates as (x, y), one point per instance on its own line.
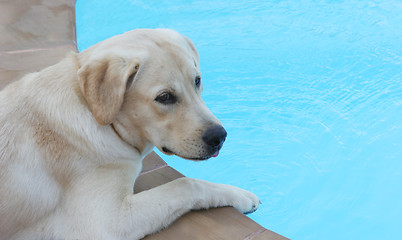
(147, 85)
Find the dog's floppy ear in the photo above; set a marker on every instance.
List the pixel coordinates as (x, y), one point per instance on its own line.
(103, 83)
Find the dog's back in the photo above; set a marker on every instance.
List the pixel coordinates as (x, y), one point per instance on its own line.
(27, 186)
(49, 140)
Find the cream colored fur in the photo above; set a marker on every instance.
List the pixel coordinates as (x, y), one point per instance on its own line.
(73, 137)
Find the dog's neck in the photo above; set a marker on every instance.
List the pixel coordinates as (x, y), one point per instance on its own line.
(137, 142)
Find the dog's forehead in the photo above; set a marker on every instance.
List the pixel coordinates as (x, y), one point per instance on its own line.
(167, 53)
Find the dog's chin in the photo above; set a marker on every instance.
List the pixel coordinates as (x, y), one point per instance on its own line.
(169, 152)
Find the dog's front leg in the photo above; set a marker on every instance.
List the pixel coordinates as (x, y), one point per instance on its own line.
(150, 211)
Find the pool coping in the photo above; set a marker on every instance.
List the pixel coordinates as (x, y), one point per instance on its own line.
(45, 29)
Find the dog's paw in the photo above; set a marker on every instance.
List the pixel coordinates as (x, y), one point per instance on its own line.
(243, 200)
(221, 195)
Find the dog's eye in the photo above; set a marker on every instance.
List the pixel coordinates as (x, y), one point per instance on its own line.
(166, 98)
(197, 81)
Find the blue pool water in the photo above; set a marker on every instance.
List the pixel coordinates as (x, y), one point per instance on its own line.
(311, 95)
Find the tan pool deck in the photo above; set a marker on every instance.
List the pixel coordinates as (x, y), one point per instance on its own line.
(38, 33)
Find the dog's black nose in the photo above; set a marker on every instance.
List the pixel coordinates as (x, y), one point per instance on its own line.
(214, 136)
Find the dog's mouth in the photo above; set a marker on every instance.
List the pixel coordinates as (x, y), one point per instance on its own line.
(167, 151)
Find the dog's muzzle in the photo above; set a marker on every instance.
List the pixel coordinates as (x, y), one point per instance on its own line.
(213, 139)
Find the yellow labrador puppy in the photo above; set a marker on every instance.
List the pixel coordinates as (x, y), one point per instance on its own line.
(73, 137)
